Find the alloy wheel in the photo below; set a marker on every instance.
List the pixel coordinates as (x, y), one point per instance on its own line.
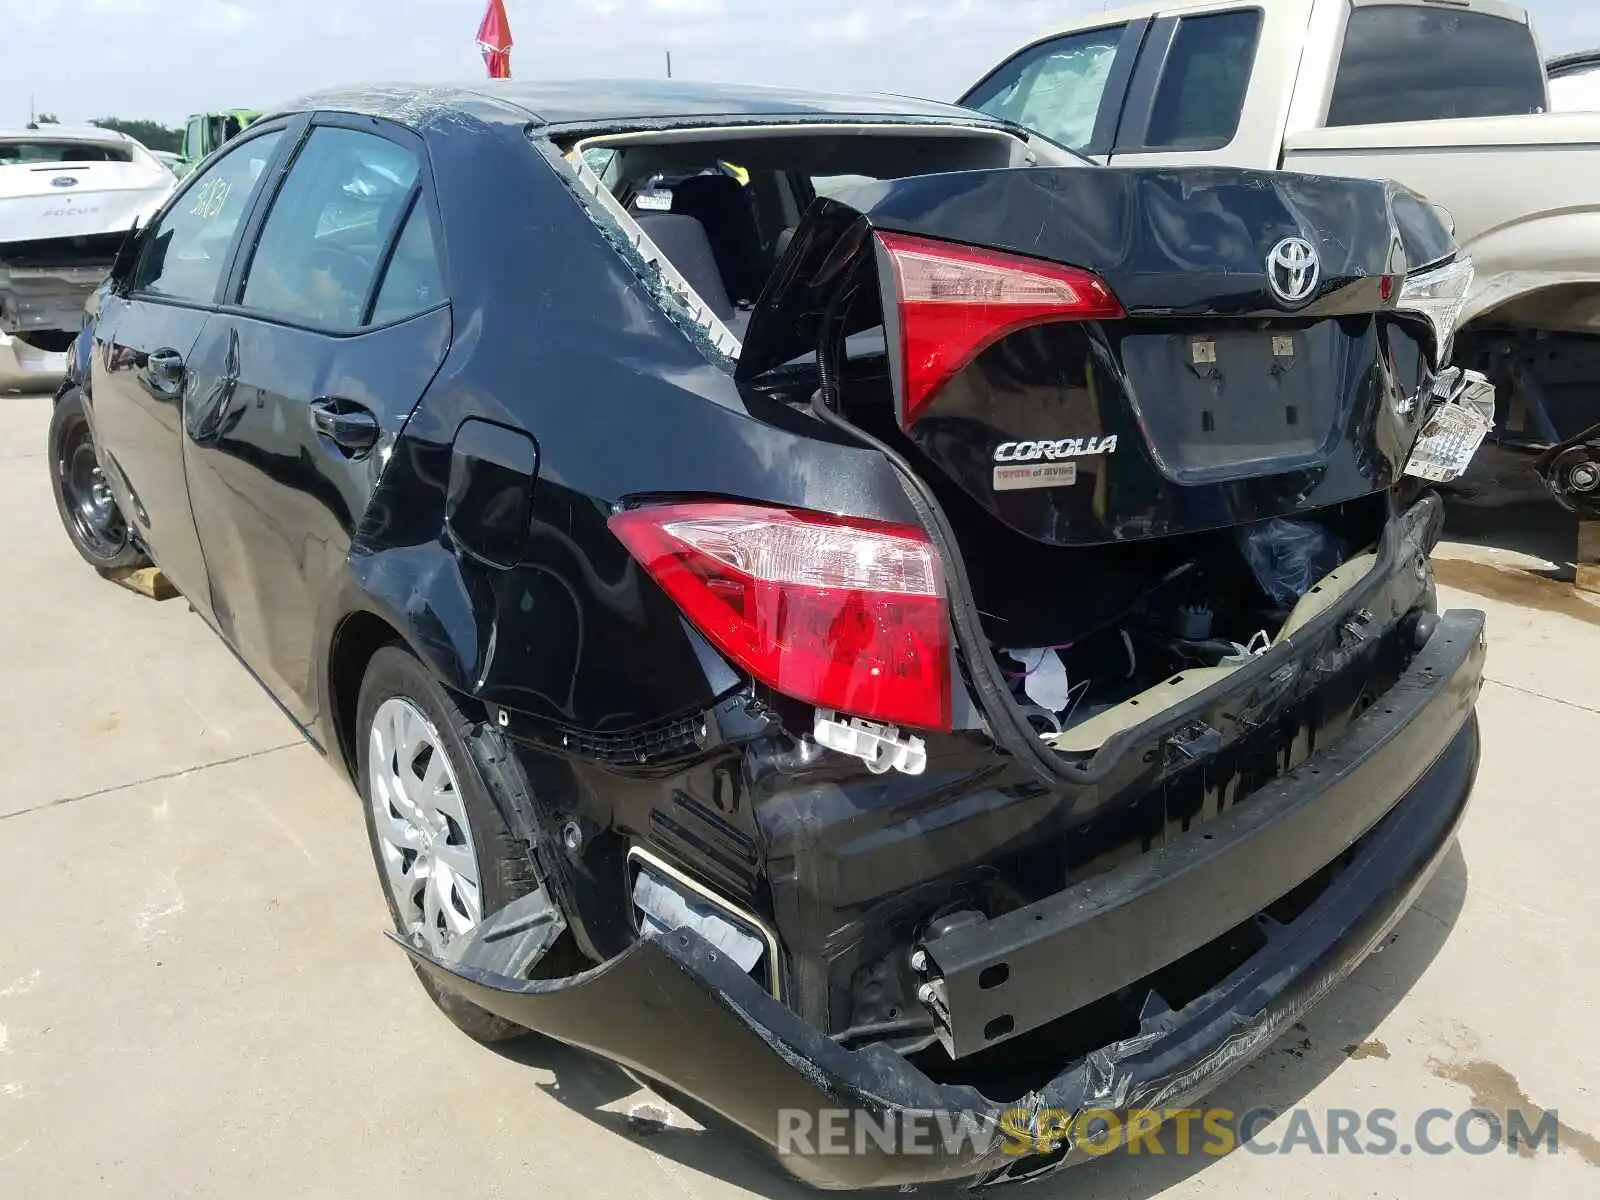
(423, 833)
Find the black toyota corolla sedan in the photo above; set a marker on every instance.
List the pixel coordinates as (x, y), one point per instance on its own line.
(832, 603)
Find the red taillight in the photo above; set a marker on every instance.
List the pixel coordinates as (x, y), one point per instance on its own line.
(839, 613)
(955, 301)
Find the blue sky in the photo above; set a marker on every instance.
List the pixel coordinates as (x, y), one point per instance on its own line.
(165, 58)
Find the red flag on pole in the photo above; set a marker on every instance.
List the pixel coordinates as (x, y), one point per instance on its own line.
(494, 39)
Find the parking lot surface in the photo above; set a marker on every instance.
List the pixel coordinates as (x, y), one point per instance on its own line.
(196, 998)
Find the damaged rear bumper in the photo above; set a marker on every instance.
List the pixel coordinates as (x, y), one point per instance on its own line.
(1386, 799)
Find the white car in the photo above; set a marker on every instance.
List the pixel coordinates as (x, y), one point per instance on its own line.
(67, 199)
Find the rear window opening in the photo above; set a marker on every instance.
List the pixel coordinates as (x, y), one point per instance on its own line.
(722, 205)
(23, 151)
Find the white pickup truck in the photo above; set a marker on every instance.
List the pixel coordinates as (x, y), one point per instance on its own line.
(1449, 97)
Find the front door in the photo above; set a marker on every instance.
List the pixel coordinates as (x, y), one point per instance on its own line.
(145, 337)
(335, 327)
(1070, 88)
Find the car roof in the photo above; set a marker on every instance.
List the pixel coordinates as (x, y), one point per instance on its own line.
(607, 101)
(1565, 64)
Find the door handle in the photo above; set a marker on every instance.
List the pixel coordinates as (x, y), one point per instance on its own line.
(346, 424)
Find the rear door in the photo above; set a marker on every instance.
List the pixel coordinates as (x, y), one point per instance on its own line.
(144, 337)
(335, 323)
(1211, 87)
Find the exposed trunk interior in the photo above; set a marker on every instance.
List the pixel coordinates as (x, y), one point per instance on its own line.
(1089, 629)
(45, 282)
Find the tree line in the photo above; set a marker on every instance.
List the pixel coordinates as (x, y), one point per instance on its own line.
(153, 134)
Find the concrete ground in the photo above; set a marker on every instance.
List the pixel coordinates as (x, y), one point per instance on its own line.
(195, 998)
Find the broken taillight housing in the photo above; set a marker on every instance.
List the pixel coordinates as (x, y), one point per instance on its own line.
(955, 301)
(1438, 295)
(841, 613)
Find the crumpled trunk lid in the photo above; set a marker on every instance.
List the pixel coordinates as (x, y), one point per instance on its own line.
(1260, 368)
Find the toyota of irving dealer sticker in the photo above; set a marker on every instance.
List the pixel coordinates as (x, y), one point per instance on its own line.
(1045, 464)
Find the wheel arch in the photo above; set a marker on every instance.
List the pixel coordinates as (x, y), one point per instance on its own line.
(1539, 271)
(356, 638)
(1541, 304)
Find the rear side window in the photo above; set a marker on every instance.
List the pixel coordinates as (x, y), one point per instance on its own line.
(1201, 94)
(1409, 63)
(412, 283)
(325, 236)
(1056, 87)
(184, 256)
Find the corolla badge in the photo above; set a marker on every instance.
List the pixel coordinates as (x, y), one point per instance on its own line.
(1293, 271)
(64, 181)
(1047, 464)
(1055, 450)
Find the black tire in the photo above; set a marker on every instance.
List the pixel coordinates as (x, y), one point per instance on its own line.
(89, 513)
(506, 870)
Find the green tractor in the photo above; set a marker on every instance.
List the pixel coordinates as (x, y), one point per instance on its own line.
(206, 131)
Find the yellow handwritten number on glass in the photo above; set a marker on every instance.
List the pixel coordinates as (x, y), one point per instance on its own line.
(209, 198)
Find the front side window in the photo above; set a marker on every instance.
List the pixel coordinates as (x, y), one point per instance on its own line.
(1201, 94)
(1055, 88)
(324, 238)
(184, 256)
(1403, 62)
